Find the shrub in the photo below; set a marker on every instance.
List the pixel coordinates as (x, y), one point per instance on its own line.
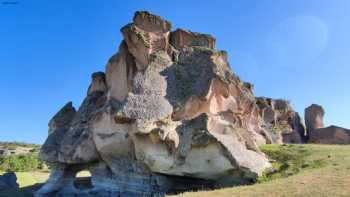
(287, 160)
(21, 163)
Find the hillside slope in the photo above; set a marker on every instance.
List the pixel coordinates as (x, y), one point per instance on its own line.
(324, 172)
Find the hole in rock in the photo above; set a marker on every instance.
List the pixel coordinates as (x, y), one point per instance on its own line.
(83, 180)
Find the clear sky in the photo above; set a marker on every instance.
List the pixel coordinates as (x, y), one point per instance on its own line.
(293, 49)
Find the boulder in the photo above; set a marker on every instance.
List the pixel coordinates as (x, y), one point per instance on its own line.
(281, 122)
(330, 135)
(169, 116)
(314, 117)
(8, 180)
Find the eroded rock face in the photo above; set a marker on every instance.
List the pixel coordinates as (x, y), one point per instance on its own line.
(168, 116)
(314, 117)
(319, 134)
(330, 135)
(181, 38)
(98, 83)
(282, 123)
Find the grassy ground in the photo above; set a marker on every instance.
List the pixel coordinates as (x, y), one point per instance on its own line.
(28, 182)
(302, 170)
(25, 179)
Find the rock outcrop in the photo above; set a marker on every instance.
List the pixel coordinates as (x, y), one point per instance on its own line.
(330, 135)
(282, 123)
(8, 180)
(169, 115)
(319, 134)
(314, 117)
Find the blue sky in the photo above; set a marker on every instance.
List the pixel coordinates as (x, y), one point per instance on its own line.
(297, 50)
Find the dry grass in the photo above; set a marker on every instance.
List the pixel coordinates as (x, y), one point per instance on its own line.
(331, 180)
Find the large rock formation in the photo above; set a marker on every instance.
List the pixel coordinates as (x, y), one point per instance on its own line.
(282, 123)
(168, 115)
(314, 117)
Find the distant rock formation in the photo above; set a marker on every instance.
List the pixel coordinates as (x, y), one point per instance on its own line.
(13, 148)
(330, 135)
(168, 115)
(8, 180)
(319, 134)
(282, 123)
(314, 117)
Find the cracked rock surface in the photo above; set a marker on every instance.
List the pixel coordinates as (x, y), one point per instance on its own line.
(167, 115)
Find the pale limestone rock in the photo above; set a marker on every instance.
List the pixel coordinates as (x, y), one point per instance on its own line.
(166, 112)
(118, 74)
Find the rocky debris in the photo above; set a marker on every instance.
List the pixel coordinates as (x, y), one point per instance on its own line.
(169, 116)
(8, 180)
(281, 122)
(314, 117)
(330, 135)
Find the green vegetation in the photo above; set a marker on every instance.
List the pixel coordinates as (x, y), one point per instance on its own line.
(300, 170)
(21, 163)
(25, 157)
(25, 179)
(288, 160)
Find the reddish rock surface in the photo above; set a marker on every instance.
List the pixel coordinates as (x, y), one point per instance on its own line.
(330, 135)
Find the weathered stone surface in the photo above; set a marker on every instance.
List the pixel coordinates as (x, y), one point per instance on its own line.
(150, 22)
(98, 83)
(8, 180)
(314, 117)
(181, 38)
(147, 35)
(282, 123)
(330, 135)
(165, 120)
(63, 118)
